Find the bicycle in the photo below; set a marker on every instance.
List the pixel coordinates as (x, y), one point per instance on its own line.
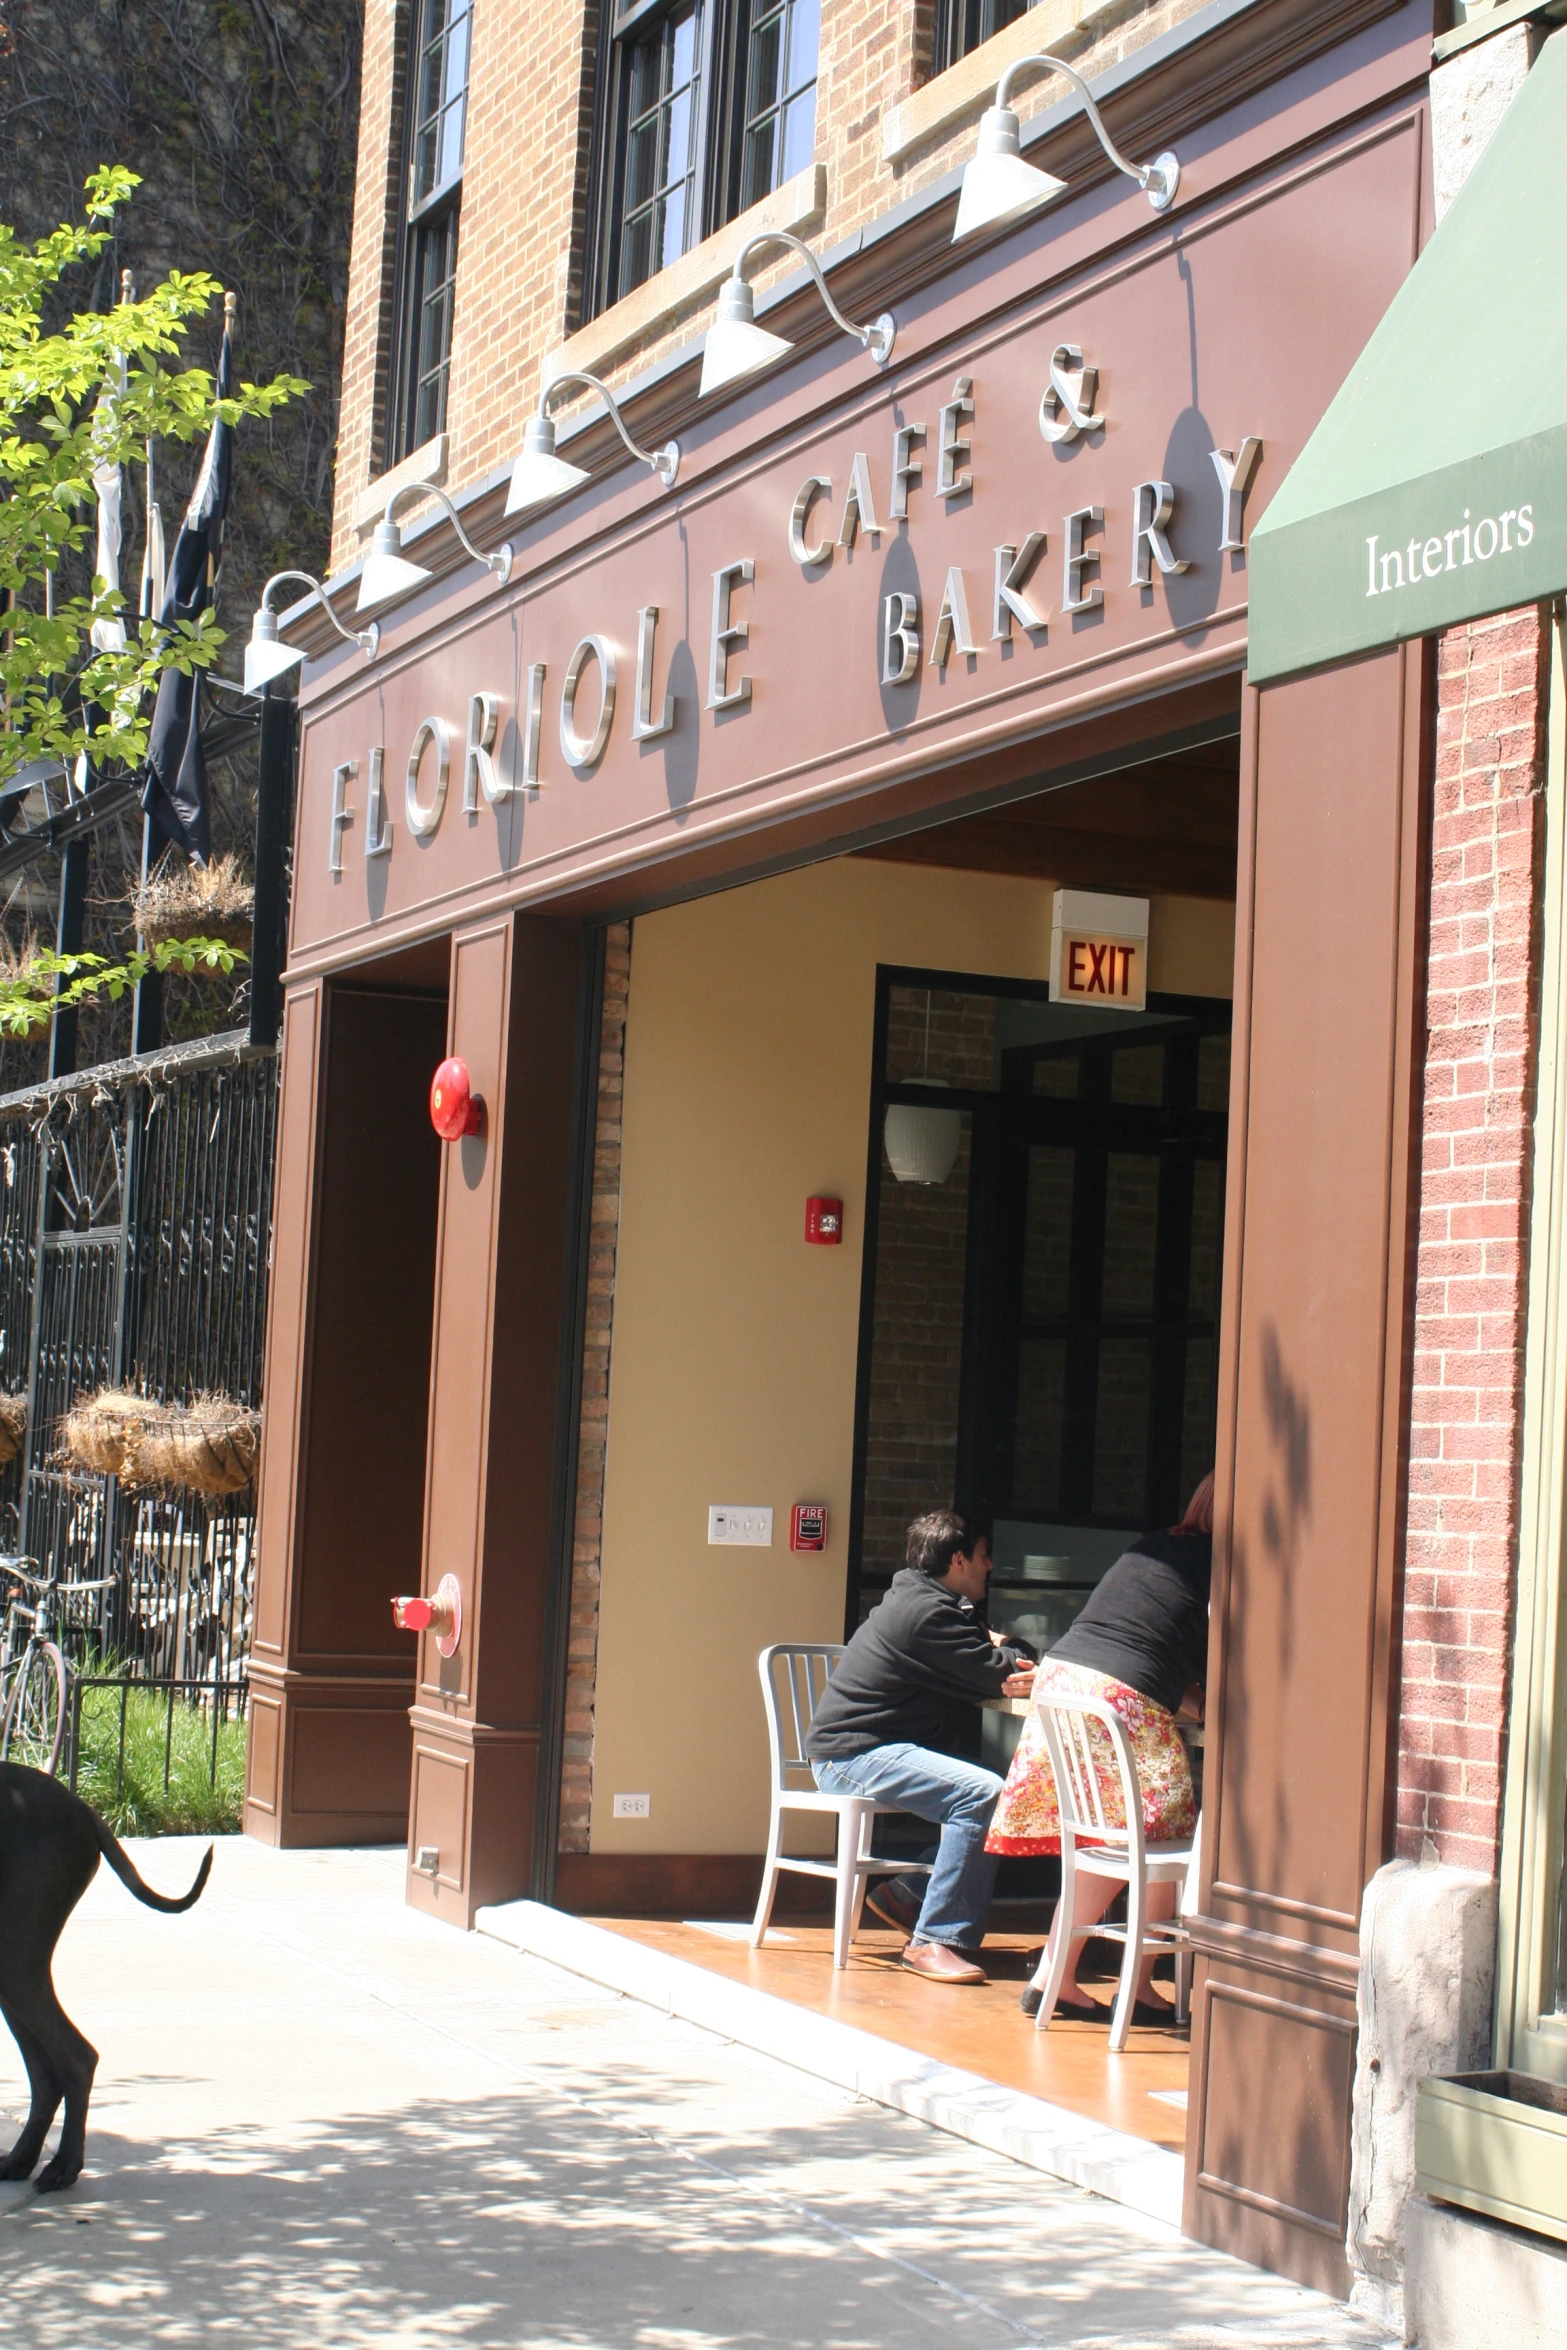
(37, 1687)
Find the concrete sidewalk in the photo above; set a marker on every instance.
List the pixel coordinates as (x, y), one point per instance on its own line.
(324, 2122)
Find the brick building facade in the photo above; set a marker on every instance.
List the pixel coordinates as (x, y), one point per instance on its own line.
(761, 897)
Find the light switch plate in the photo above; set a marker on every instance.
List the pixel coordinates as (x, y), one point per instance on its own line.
(632, 1807)
(740, 1522)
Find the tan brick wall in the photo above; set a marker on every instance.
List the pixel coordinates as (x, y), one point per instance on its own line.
(367, 325)
(576, 1792)
(1472, 1273)
(525, 194)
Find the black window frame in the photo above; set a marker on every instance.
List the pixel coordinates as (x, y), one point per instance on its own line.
(429, 224)
(962, 26)
(720, 142)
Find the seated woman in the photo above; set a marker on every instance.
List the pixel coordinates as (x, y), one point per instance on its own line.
(1140, 1645)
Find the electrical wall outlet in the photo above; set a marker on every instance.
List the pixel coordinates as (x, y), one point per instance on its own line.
(739, 1522)
(631, 1807)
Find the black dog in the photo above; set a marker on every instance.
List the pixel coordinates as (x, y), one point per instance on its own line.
(50, 1843)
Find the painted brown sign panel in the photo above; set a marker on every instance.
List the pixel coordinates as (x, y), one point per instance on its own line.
(1019, 520)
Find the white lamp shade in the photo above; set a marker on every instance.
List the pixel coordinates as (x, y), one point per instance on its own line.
(539, 475)
(736, 346)
(922, 1145)
(387, 572)
(998, 185)
(266, 656)
(734, 349)
(537, 479)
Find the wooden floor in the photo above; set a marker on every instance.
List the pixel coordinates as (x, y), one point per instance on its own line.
(980, 2029)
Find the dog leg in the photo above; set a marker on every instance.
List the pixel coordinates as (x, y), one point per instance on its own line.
(46, 2092)
(76, 2059)
(66, 2059)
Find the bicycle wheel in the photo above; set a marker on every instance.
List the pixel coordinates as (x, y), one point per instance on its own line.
(34, 1722)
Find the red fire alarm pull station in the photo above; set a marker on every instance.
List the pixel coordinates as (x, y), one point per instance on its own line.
(455, 1109)
(808, 1526)
(824, 1222)
(441, 1614)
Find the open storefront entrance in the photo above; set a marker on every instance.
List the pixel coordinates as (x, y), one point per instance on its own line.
(1028, 1331)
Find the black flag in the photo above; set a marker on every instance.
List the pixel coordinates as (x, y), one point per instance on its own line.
(174, 794)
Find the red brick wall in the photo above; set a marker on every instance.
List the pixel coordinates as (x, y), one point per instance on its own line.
(576, 1791)
(1467, 1389)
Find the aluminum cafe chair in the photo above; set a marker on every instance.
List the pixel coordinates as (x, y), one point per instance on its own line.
(1091, 1844)
(794, 1674)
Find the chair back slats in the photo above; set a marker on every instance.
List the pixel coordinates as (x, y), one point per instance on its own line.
(794, 1675)
(1076, 1729)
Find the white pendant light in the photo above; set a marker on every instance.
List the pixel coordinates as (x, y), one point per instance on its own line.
(999, 186)
(540, 476)
(267, 656)
(737, 347)
(922, 1145)
(388, 573)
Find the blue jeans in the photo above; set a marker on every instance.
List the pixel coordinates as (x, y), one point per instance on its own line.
(958, 1795)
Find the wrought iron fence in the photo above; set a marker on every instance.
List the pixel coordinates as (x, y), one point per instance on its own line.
(133, 1252)
(218, 1701)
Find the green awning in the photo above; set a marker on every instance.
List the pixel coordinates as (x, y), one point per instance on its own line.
(1434, 490)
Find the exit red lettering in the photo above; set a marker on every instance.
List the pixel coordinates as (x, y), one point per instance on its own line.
(1098, 967)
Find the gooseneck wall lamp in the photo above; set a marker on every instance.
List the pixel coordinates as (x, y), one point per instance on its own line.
(998, 185)
(388, 572)
(266, 655)
(736, 346)
(539, 475)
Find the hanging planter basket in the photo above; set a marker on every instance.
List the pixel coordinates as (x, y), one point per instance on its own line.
(105, 1432)
(13, 1426)
(208, 1446)
(196, 901)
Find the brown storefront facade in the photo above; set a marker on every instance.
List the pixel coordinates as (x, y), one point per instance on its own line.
(1008, 567)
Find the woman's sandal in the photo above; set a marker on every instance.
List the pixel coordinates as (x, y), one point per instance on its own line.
(1088, 2011)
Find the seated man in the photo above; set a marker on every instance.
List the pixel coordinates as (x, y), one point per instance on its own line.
(886, 1720)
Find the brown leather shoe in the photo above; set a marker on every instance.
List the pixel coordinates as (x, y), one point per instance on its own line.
(939, 1964)
(888, 1902)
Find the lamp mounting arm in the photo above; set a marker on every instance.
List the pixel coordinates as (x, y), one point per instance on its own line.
(877, 337)
(665, 462)
(499, 562)
(367, 639)
(1157, 179)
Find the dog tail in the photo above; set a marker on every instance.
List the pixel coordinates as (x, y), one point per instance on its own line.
(124, 1868)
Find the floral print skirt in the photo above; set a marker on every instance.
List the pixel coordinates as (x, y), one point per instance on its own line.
(1026, 1819)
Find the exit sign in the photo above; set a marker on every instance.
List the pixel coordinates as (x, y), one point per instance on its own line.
(1099, 951)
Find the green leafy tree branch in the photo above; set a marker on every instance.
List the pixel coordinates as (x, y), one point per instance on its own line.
(90, 394)
(28, 996)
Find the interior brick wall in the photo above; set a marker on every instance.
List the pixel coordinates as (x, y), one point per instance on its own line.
(1482, 1034)
(576, 1792)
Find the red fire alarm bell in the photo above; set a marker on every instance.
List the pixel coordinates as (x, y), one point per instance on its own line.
(441, 1614)
(808, 1526)
(455, 1109)
(824, 1222)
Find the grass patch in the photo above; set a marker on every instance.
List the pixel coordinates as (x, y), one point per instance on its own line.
(137, 1801)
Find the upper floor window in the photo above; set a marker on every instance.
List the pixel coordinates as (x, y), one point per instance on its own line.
(705, 106)
(437, 109)
(961, 25)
